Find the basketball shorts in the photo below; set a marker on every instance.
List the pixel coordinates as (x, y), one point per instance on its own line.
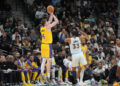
(78, 59)
(46, 50)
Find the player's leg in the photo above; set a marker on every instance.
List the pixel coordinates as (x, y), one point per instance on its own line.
(74, 63)
(49, 60)
(34, 76)
(78, 74)
(84, 63)
(43, 66)
(66, 75)
(44, 52)
(82, 75)
(53, 75)
(28, 78)
(23, 77)
(48, 67)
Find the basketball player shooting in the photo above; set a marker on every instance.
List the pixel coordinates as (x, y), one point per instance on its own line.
(47, 39)
(77, 54)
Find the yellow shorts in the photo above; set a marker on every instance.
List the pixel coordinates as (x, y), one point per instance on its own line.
(46, 50)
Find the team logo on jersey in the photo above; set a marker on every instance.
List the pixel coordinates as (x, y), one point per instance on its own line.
(42, 30)
(75, 41)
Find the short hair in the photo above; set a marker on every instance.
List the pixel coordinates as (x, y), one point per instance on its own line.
(38, 54)
(74, 33)
(10, 56)
(21, 56)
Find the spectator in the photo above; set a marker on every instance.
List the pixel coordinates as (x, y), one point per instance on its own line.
(15, 35)
(33, 35)
(99, 72)
(112, 75)
(62, 35)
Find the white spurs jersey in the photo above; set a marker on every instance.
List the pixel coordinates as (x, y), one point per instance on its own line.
(75, 46)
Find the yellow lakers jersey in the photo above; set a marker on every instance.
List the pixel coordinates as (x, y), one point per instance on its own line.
(33, 64)
(84, 49)
(46, 35)
(90, 59)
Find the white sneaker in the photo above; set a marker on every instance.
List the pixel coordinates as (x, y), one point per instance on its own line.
(42, 83)
(38, 83)
(61, 82)
(82, 84)
(54, 82)
(77, 84)
(68, 82)
(88, 82)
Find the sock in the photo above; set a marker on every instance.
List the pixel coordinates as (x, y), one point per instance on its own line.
(28, 76)
(43, 66)
(78, 80)
(66, 79)
(82, 75)
(38, 78)
(48, 75)
(59, 73)
(66, 74)
(28, 81)
(48, 67)
(34, 76)
(53, 73)
(74, 77)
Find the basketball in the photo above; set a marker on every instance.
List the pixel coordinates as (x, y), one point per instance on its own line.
(50, 9)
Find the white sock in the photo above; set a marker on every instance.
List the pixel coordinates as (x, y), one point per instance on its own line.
(48, 75)
(53, 73)
(28, 81)
(43, 66)
(66, 79)
(37, 80)
(78, 80)
(59, 72)
(61, 80)
(82, 75)
(24, 82)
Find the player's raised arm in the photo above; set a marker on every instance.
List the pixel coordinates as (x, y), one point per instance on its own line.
(67, 40)
(83, 33)
(50, 18)
(54, 23)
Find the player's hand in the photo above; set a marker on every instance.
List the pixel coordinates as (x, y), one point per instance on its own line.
(51, 14)
(78, 29)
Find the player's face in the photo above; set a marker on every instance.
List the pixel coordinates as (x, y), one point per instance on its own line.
(31, 58)
(83, 41)
(22, 59)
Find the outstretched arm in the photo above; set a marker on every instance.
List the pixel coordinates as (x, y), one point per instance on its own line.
(55, 22)
(83, 33)
(50, 18)
(67, 40)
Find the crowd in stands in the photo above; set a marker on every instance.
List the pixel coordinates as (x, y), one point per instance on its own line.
(98, 18)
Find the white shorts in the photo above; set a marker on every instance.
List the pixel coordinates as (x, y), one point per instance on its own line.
(77, 59)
